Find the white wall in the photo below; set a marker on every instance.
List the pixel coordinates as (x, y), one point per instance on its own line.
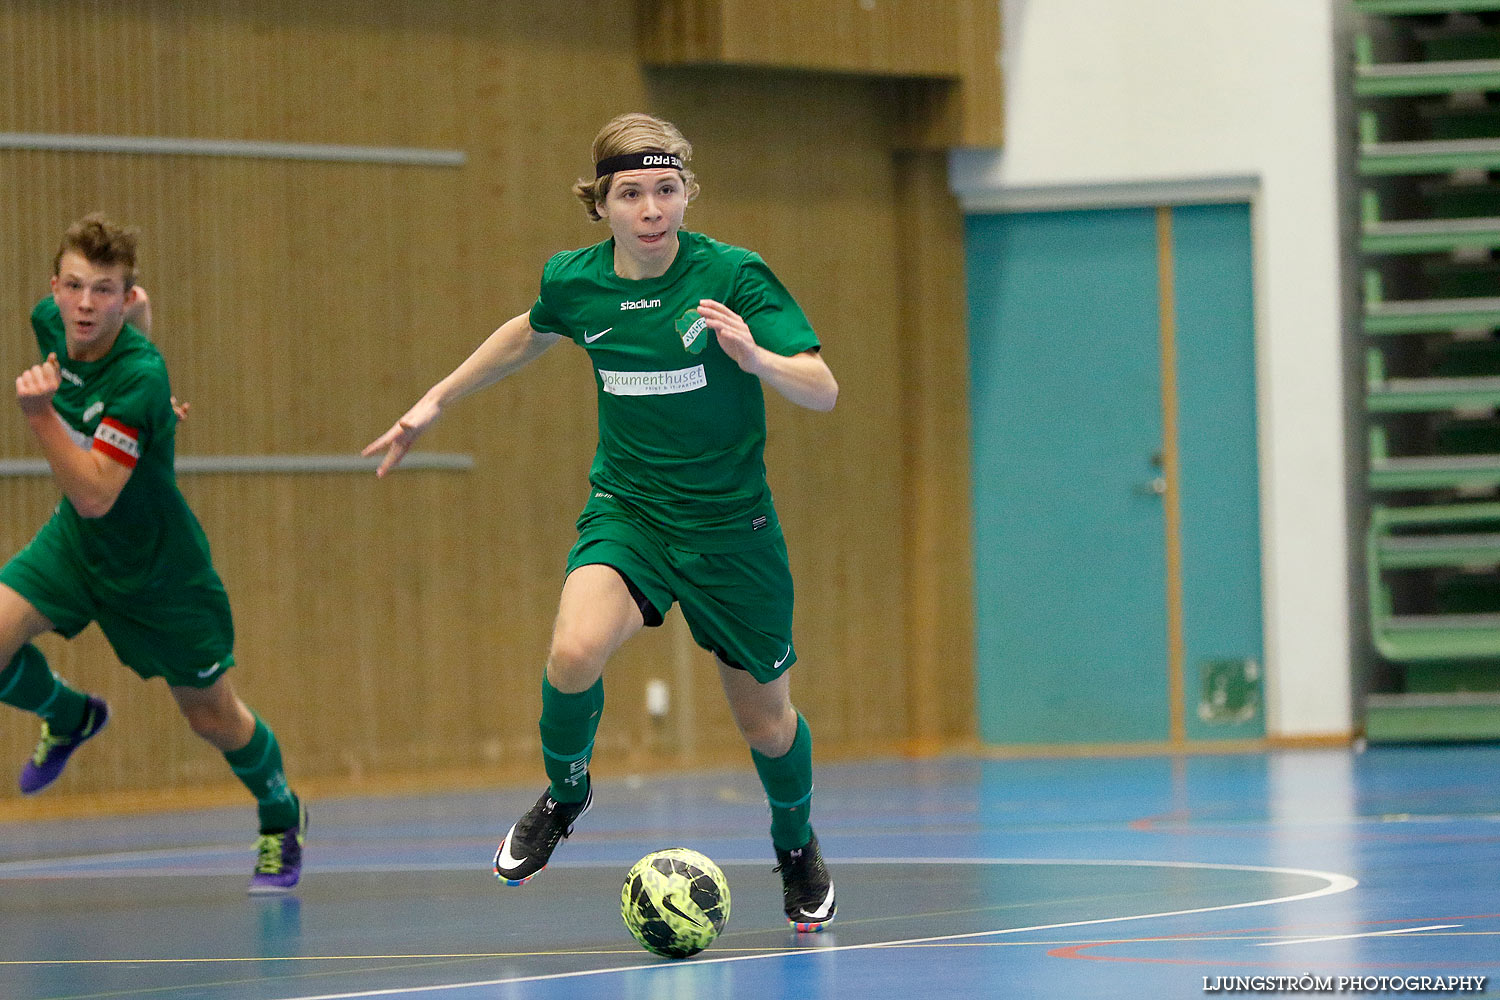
(1131, 101)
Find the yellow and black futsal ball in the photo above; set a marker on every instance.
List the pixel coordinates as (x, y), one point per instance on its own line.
(675, 902)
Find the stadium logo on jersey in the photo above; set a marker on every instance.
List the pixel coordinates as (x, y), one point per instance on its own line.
(640, 304)
(653, 383)
(691, 327)
(119, 442)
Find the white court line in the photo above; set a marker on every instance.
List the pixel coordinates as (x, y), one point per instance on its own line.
(209, 861)
(1336, 884)
(88, 865)
(1347, 937)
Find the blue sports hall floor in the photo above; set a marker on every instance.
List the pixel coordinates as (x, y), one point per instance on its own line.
(1330, 872)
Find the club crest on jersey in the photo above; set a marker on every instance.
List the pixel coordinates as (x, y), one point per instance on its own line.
(693, 329)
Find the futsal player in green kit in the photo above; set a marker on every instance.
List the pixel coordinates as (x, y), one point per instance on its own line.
(123, 548)
(683, 331)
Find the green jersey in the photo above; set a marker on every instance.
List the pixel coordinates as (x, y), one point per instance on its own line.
(682, 428)
(121, 405)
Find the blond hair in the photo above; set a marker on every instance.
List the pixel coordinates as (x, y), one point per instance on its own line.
(100, 242)
(634, 133)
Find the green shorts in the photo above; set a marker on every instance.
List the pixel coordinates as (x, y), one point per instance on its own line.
(738, 605)
(179, 628)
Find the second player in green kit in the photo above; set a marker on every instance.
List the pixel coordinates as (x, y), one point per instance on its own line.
(123, 548)
(683, 332)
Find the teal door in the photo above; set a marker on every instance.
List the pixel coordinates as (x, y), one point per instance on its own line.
(1116, 524)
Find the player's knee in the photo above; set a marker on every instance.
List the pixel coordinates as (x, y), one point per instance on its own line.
(16, 626)
(209, 722)
(769, 733)
(574, 662)
(10, 647)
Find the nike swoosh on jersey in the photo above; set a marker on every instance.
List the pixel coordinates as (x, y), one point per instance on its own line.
(208, 672)
(778, 663)
(589, 340)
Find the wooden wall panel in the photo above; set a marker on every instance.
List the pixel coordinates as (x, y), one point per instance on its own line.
(835, 244)
(397, 628)
(887, 37)
(941, 59)
(938, 559)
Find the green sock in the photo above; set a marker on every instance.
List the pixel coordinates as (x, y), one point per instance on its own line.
(258, 765)
(28, 683)
(789, 786)
(569, 722)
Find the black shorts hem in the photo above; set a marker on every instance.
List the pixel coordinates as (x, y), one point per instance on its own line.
(649, 614)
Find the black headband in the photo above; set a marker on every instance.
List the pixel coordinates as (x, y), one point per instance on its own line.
(643, 160)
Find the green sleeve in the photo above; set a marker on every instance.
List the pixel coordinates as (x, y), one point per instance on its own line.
(544, 318)
(143, 404)
(776, 321)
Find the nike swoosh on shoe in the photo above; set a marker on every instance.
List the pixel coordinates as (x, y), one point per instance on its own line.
(503, 860)
(821, 913)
